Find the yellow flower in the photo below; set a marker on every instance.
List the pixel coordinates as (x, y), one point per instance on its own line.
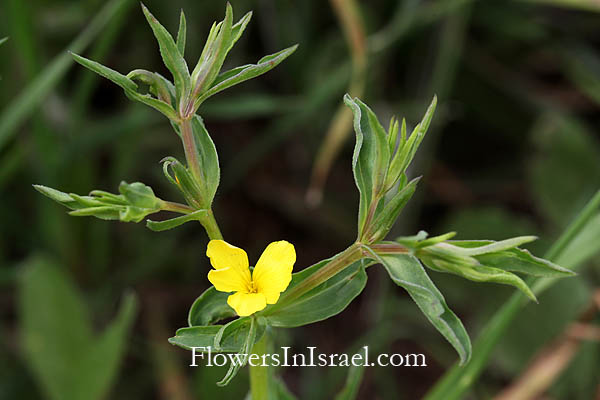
(271, 275)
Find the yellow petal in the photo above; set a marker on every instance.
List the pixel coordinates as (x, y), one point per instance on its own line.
(271, 297)
(247, 303)
(229, 280)
(231, 272)
(224, 255)
(273, 271)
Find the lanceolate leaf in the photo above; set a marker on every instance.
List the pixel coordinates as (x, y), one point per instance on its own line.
(322, 302)
(408, 148)
(228, 338)
(134, 203)
(238, 29)
(371, 156)
(210, 307)
(392, 209)
(511, 259)
(199, 337)
(209, 160)
(214, 53)
(406, 271)
(3, 40)
(244, 73)
(181, 34)
(106, 72)
(171, 56)
(444, 258)
(129, 86)
(238, 326)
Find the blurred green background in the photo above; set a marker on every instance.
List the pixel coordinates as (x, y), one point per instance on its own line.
(514, 150)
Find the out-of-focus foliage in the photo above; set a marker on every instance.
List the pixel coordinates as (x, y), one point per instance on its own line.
(69, 360)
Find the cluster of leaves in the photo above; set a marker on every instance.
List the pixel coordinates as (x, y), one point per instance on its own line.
(379, 164)
(178, 100)
(134, 203)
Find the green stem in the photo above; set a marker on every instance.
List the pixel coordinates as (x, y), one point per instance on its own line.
(458, 380)
(574, 228)
(259, 375)
(189, 146)
(177, 207)
(210, 225)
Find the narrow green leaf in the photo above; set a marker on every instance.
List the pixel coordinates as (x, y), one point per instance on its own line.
(210, 307)
(235, 333)
(171, 56)
(244, 73)
(181, 34)
(511, 258)
(134, 203)
(229, 338)
(106, 72)
(238, 29)
(406, 271)
(157, 85)
(420, 240)
(324, 301)
(479, 247)
(58, 196)
(388, 215)
(128, 85)
(353, 381)
(393, 134)
(159, 226)
(3, 40)
(199, 337)
(234, 367)
(444, 258)
(214, 53)
(371, 156)
(209, 160)
(109, 213)
(408, 148)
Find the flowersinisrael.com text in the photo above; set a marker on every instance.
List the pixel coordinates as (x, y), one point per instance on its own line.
(311, 358)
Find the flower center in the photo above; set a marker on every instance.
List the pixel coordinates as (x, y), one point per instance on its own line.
(252, 287)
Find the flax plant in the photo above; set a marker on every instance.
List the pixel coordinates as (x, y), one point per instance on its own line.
(269, 295)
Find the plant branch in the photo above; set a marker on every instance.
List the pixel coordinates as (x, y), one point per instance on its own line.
(458, 380)
(210, 225)
(177, 207)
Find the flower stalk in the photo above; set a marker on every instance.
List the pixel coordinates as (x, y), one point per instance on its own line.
(259, 374)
